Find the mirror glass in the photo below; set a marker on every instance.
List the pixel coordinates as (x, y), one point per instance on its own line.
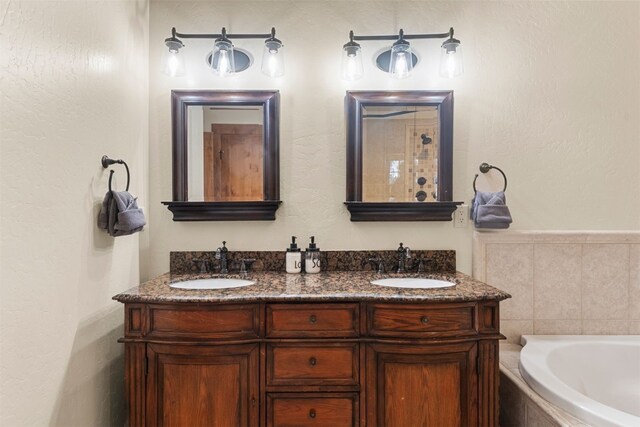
(400, 155)
(400, 146)
(225, 155)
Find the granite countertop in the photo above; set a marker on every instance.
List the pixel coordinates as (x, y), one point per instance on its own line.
(326, 286)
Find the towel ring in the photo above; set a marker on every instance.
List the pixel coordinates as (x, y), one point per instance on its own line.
(486, 167)
(106, 162)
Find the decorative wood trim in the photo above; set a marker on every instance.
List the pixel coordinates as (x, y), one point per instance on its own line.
(488, 380)
(404, 211)
(180, 101)
(224, 211)
(135, 381)
(365, 211)
(489, 317)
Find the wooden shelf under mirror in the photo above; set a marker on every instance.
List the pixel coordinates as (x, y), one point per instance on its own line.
(400, 155)
(225, 155)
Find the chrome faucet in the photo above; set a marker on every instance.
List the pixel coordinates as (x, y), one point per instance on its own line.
(221, 254)
(404, 253)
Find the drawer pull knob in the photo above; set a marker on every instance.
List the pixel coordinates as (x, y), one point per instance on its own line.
(313, 361)
(312, 413)
(313, 319)
(424, 320)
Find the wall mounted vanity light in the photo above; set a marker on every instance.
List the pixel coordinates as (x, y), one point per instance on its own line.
(399, 60)
(225, 59)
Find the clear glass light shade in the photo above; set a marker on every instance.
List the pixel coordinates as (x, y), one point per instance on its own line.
(451, 60)
(352, 68)
(173, 63)
(273, 59)
(223, 61)
(401, 63)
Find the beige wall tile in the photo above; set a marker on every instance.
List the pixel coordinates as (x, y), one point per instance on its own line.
(605, 281)
(605, 327)
(509, 355)
(634, 283)
(557, 271)
(512, 403)
(634, 327)
(557, 327)
(513, 329)
(510, 268)
(536, 417)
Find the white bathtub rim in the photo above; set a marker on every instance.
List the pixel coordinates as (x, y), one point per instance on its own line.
(554, 390)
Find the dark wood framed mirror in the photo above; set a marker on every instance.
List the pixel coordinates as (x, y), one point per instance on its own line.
(400, 155)
(225, 155)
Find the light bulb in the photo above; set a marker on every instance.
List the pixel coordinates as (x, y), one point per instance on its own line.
(223, 60)
(401, 62)
(451, 59)
(273, 58)
(172, 61)
(223, 63)
(352, 68)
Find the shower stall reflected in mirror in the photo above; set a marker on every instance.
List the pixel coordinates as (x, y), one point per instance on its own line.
(400, 153)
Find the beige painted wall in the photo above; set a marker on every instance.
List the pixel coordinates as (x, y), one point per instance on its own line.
(74, 87)
(549, 94)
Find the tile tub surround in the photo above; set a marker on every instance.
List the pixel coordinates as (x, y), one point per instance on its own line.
(520, 406)
(325, 286)
(563, 282)
(440, 261)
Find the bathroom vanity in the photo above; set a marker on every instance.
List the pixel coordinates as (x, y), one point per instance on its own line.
(329, 349)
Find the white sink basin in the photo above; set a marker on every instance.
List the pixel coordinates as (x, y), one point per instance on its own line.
(413, 283)
(212, 284)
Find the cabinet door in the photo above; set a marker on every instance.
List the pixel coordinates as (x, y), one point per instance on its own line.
(202, 385)
(427, 385)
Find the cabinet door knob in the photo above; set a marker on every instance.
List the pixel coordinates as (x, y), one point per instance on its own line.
(313, 319)
(313, 361)
(424, 320)
(312, 413)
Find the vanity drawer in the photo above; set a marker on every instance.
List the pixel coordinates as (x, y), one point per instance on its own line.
(318, 364)
(312, 409)
(421, 321)
(204, 321)
(312, 320)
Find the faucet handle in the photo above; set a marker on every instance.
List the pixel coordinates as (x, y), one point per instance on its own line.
(419, 264)
(245, 264)
(201, 264)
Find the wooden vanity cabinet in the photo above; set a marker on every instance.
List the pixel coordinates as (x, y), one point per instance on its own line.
(312, 364)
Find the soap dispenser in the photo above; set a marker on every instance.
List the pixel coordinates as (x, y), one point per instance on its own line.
(312, 257)
(294, 257)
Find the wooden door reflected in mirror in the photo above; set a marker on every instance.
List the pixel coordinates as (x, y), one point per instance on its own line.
(228, 142)
(235, 174)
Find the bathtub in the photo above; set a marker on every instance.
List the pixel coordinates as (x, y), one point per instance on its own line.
(594, 378)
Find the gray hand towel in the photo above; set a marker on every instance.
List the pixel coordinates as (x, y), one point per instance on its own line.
(489, 210)
(120, 214)
(103, 216)
(130, 218)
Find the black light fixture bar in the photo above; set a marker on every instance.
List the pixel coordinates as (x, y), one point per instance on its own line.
(404, 36)
(174, 33)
